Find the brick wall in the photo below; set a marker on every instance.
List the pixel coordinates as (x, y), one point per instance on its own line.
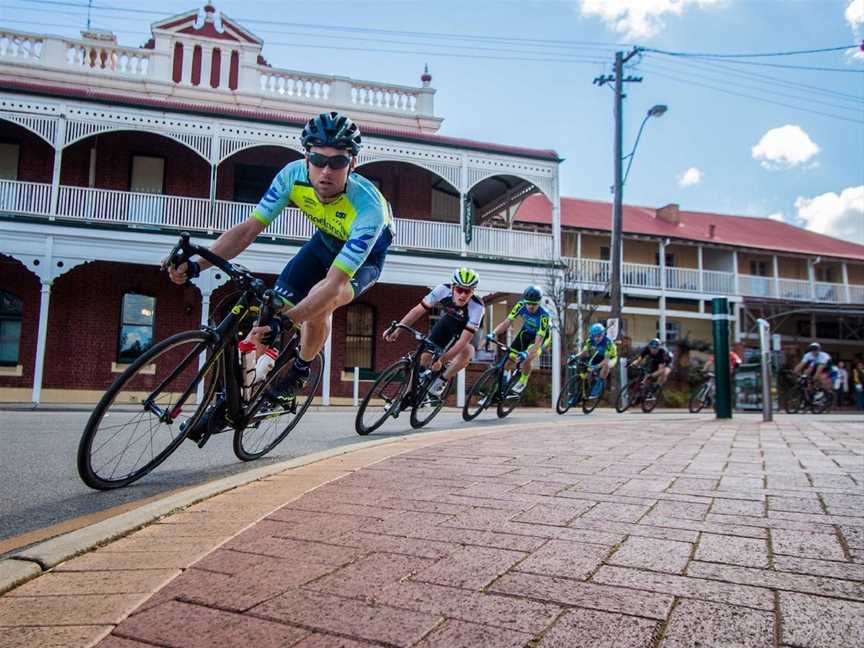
(19, 281)
(271, 156)
(407, 187)
(186, 173)
(35, 155)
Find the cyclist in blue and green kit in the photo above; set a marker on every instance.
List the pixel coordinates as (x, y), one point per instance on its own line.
(534, 336)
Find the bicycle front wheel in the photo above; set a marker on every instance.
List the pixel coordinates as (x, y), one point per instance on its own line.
(794, 400)
(821, 401)
(145, 414)
(510, 399)
(481, 394)
(589, 402)
(384, 399)
(650, 397)
(267, 428)
(427, 405)
(699, 399)
(569, 395)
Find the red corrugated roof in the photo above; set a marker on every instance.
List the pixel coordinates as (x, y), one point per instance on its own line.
(741, 231)
(259, 115)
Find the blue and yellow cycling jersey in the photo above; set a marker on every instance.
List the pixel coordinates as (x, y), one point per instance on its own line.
(353, 224)
(537, 323)
(605, 348)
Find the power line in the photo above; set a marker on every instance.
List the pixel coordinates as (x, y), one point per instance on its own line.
(813, 68)
(754, 55)
(755, 98)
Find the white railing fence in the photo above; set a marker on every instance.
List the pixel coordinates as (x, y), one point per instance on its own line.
(25, 197)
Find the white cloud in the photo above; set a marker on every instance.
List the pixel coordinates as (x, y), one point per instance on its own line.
(785, 147)
(839, 216)
(855, 14)
(778, 216)
(690, 177)
(637, 19)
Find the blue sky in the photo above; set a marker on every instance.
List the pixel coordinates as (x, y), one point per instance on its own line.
(807, 168)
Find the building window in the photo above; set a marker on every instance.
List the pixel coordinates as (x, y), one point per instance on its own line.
(10, 328)
(251, 181)
(445, 205)
(604, 254)
(9, 154)
(670, 260)
(136, 326)
(824, 274)
(673, 331)
(360, 336)
(759, 268)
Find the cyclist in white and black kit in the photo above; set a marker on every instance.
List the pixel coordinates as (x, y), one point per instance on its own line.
(461, 318)
(818, 365)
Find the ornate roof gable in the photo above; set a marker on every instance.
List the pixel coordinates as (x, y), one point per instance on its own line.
(207, 22)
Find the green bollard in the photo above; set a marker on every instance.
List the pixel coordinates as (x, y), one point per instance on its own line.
(722, 381)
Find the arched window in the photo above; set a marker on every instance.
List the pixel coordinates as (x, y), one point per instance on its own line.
(10, 328)
(360, 336)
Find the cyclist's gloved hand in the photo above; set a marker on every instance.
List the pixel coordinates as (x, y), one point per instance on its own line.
(491, 337)
(522, 355)
(193, 269)
(275, 334)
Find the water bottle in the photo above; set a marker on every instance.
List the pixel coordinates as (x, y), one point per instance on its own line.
(265, 363)
(247, 366)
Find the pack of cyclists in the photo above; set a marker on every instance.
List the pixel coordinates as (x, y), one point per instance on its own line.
(346, 255)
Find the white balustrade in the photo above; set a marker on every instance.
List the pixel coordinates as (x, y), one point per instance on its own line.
(25, 197)
(495, 241)
(108, 59)
(716, 282)
(829, 292)
(756, 286)
(795, 289)
(140, 209)
(682, 279)
(640, 275)
(856, 294)
(293, 85)
(590, 271)
(427, 235)
(24, 47)
(382, 97)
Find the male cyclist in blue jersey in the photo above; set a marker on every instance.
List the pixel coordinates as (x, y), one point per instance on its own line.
(602, 352)
(534, 336)
(343, 258)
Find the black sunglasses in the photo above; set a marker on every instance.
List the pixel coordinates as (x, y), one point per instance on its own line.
(336, 162)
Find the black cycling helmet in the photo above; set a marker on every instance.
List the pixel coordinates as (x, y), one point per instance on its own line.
(814, 346)
(532, 295)
(655, 343)
(331, 129)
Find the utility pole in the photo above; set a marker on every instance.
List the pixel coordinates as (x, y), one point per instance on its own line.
(618, 188)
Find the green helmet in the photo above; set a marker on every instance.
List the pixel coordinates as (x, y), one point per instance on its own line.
(465, 278)
(331, 129)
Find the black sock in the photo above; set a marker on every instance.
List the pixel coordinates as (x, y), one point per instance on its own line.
(300, 363)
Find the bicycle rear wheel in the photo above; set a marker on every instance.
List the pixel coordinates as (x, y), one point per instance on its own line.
(569, 396)
(510, 399)
(628, 396)
(821, 401)
(427, 405)
(481, 394)
(145, 414)
(267, 428)
(384, 399)
(650, 397)
(699, 399)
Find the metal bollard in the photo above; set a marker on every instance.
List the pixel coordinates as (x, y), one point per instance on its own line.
(765, 357)
(356, 385)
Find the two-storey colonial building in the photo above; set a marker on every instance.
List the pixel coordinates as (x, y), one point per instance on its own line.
(107, 152)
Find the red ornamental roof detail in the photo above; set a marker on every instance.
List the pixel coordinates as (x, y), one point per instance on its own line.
(185, 24)
(271, 116)
(705, 227)
(209, 31)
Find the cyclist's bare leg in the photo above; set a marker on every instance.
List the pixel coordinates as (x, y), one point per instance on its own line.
(459, 362)
(528, 363)
(313, 335)
(605, 368)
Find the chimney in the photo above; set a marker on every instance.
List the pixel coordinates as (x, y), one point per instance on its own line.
(669, 214)
(711, 228)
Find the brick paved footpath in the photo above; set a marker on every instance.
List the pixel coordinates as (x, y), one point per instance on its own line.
(643, 533)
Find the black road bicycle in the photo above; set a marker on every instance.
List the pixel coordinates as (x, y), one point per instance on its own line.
(403, 384)
(191, 385)
(806, 394)
(579, 386)
(703, 395)
(495, 387)
(641, 390)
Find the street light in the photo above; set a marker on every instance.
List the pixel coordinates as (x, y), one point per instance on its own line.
(616, 293)
(657, 111)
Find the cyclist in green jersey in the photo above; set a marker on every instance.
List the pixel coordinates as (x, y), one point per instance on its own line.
(534, 336)
(344, 257)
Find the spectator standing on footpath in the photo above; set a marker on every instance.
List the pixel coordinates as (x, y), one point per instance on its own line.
(858, 383)
(841, 384)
